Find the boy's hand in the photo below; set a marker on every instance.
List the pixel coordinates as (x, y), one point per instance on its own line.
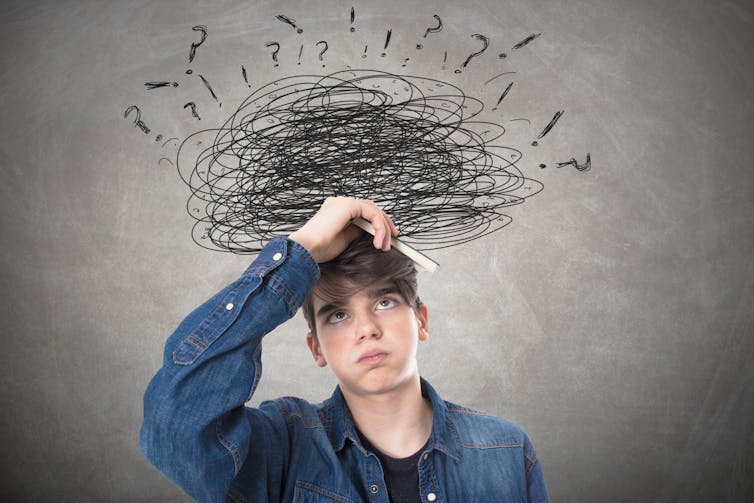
(330, 231)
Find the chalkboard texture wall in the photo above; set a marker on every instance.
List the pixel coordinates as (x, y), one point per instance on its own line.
(612, 317)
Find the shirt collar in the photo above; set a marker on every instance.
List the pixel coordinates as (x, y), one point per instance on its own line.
(444, 435)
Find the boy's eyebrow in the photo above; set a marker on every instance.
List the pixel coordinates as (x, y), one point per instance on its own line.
(379, 292)
(328, 307)
(339, 303)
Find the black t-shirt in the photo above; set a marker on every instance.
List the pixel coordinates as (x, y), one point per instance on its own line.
(401, 474)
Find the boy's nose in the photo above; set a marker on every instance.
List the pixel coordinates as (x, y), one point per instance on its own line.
(367, 327)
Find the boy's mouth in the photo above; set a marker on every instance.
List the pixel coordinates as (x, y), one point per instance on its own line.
(372, 356)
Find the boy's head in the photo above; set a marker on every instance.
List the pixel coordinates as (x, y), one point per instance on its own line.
(357, 267)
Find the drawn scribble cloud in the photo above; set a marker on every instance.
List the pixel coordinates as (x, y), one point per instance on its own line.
(412, 144)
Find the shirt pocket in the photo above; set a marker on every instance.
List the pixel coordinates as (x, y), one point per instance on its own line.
(306, 492)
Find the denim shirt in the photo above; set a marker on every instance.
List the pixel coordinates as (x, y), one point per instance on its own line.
(198, 432)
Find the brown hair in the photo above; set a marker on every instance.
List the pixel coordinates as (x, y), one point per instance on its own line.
(357, 267)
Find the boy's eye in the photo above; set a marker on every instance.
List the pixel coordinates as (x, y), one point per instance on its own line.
(386, 303)
(336, 317)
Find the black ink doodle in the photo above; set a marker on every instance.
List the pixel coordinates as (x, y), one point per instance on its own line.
(573, 162)
(211, 91)
(322, 52)
(387, 42)
(287, 20)
(436, 29)
(275, 52)
(549, 126)
(192, 105)
(505, 93)
(203, 30)
(137, 121)
(157, 85)
(414, 145)
(485, 42)
(526, 40)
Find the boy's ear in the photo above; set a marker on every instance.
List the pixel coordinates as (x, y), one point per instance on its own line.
(313, 344)
(422, 317)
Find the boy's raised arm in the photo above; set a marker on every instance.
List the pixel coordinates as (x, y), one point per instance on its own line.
(196, 429)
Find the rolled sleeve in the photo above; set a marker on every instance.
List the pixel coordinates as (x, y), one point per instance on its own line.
(196, 429)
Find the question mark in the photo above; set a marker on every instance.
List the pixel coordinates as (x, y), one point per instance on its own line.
(202, 29)
(436, 29)
(486, 43)
(275, 53)
(193, 109)
(322, 52)
(137, 121)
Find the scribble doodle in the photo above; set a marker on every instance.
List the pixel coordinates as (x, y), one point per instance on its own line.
(157, 85)
(287, 20)
(275, 52)
(209, 88)
(435, 29)
(485, 43)
(573, 162)
(324, 49)
(550, 125)
(387, 42)
(192, 105)
(497, 77)
(526, 40)
(502, 96)
(414, 145)
(192, 53)
(137, 121)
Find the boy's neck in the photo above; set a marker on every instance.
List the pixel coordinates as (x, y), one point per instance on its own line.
(398, 422)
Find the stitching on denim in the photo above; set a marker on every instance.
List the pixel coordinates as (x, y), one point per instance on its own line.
(288, 414)
(229, 446)
(322, 492)
(196, 342)
(504, 445)
(257, 269)
(435, 484)
(296, 301)
(289, 299)
(532, 458)
(312, 266)
(466, 410)
(306, 425)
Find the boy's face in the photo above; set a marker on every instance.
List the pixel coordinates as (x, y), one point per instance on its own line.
(369, 339)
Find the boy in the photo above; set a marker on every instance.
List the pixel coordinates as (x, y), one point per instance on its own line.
(385, 435)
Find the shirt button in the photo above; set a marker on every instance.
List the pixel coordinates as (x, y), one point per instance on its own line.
(277, 256)
(431, 497)
(374, 488)
(426, 456)
(229, 306)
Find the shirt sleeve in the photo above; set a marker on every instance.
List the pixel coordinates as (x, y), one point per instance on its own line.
(196, 430)
(535, 482)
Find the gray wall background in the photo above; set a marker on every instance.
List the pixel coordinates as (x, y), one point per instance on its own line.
(612, 319)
